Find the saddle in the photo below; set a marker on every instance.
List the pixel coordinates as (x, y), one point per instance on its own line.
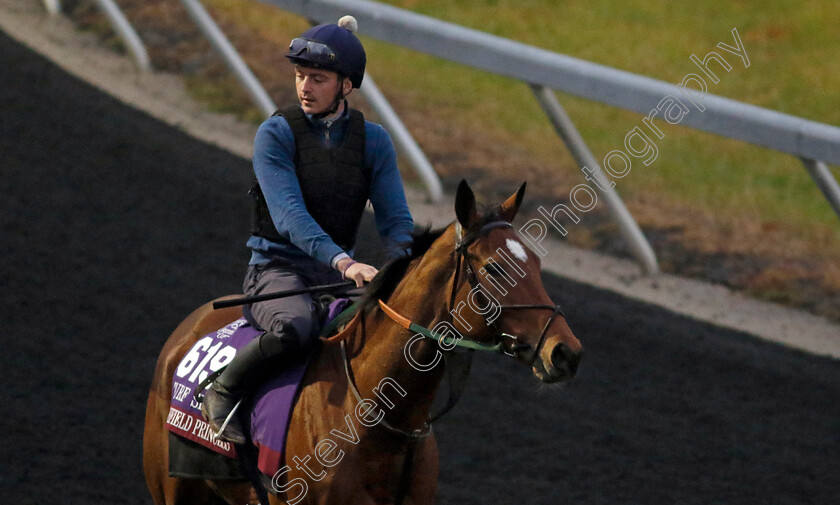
(194, 452)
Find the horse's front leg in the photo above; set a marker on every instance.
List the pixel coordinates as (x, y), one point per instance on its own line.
(424, 477)
(235, 492)
(377, 479)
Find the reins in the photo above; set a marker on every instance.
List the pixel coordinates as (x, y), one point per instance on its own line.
(449, 343)
(348, 371)
(457, 364)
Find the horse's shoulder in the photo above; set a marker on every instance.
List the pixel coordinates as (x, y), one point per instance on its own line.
(323, 388)
(324, 366)
(322, 401)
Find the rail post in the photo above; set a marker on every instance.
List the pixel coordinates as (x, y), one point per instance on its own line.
(126, 32)
(567, 131)
(53, 6)
(402, 138)
(232, 58)
(825, 181)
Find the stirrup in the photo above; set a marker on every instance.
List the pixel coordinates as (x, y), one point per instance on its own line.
(218, 435)
(221, 417)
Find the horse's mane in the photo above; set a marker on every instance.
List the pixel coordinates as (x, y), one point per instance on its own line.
(386, 281)
(391, 274)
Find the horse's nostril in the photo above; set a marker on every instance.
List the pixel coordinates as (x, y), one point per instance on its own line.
(565, 360)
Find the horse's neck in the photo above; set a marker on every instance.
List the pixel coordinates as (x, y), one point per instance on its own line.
(421, 296)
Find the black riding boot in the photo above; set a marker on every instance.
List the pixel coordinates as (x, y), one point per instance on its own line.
(253, 364)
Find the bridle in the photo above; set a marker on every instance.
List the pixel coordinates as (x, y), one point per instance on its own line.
(458, 364)
(504, 343)
(462, 243)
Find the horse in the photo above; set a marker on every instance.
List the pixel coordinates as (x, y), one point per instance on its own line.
(470, 285)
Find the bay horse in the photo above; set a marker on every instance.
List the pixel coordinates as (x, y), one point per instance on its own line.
(473, 283)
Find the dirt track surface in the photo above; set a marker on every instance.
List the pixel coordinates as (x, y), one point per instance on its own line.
(115, 227)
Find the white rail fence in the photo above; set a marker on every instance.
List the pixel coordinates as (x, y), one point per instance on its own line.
(121, 26)
(814, 143)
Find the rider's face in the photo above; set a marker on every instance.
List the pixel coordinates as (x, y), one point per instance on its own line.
(317, 89)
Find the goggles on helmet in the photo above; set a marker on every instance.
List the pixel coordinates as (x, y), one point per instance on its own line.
(316, 52)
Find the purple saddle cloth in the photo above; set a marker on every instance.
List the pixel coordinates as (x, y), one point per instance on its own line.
(273, 403)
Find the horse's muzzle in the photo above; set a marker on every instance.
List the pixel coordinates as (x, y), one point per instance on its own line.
(557, 365)
(565, 362)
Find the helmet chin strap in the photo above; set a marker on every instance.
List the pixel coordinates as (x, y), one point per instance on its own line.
(332, 110)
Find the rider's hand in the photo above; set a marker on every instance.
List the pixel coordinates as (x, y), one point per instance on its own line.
(355, 271)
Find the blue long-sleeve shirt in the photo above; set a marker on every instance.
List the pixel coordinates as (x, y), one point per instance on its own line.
(274, 154)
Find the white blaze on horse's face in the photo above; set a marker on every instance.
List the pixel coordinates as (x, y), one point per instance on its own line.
(517, 249)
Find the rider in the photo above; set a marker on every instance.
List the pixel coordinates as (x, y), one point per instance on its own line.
(317, 165)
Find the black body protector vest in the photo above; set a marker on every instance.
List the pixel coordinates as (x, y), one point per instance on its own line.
(335, 182)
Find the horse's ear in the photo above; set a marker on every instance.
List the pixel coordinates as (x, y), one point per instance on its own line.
(465, 204)
(510, 206)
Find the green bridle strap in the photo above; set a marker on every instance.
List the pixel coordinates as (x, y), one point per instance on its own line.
(416, 328)
(467, 344)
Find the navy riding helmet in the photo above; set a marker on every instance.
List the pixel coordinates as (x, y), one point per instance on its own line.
(331, 47)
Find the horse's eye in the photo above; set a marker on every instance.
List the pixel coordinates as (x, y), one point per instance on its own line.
(494, 269)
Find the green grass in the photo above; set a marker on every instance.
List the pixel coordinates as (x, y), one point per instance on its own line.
(794, 67)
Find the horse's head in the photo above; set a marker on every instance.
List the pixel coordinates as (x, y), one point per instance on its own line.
(498, 297)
